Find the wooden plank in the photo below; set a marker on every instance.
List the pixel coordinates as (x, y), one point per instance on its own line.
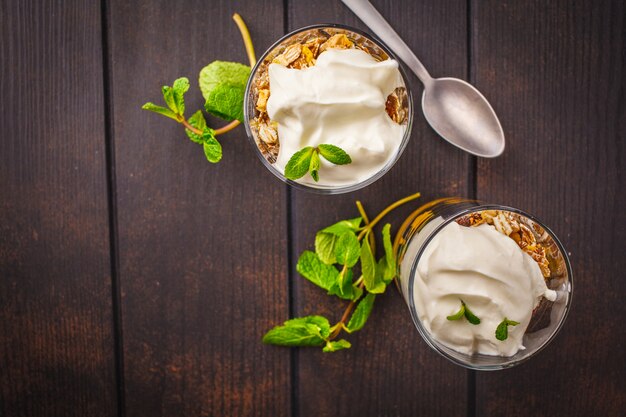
(389, 370)
(555, 72)
(203, 265)
(56, 323)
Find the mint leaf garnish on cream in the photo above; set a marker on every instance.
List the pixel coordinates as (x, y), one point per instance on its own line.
(464, 311)
(307, 159)
(502, 332)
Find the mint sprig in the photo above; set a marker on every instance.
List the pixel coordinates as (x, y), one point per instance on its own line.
(195, 127)
(340, 250)
(223, 86)
(464, 311)
(307, 159)
(502, 331)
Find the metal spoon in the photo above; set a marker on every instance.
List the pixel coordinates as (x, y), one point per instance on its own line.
(454, 108)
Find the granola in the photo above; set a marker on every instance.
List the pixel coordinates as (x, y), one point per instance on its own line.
(528, 235)
(299, 52)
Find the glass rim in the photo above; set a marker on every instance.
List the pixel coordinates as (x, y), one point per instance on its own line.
(329, 190)
(426, 335)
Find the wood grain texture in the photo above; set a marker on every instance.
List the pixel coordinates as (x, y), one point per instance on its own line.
(556, 74)
(56, 325)
(203, 265)
(389, 371)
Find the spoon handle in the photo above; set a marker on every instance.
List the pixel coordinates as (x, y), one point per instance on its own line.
(370, 16)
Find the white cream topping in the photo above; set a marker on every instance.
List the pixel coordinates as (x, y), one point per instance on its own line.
(490, 273)
(338, 101)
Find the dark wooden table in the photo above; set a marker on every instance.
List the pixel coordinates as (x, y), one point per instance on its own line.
(136, 279)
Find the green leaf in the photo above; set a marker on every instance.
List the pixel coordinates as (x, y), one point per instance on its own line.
(337, 345)
(312, 268)
(325, 247)
(212, 148)
(502, 331)
(390, 260)
(347, 249)
(373, 283)
(180, 87)
(223, 86)
(458, 314)
(299, 163)
(168, 96)
(344, 288)
(334, 154)
(470, 316)
(160, 110)
(197, 120)
(381, 270)
(344, 226)
(226, 102)
(357, 293)
(314, 166)
(361, 313)
(303, 331)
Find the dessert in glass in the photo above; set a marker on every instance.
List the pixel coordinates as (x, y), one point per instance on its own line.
(329, 85)
(488, 286)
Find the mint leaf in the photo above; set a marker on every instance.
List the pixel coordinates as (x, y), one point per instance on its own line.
(502, 332)
(223, 85)
(361, 313)
(226, 102)
(299, 163)
(222, 73)
(343, 226)
(356, 292)
(464, 311)
(212, 148)
(470, 316)
(304, 331)
(325, 247)
(347, 249)
(312, 268)
(334, 154)
(314, 166)
(160, 110)
(389, 257)
(335, 346)
(381, 270)
(344, 288)
(373, 283)
(180, 87)
(168, 96)
(458, 314)
(196, 120)
(388, 266)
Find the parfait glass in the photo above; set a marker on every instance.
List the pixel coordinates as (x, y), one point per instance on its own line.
(376, 48)
(417, 232)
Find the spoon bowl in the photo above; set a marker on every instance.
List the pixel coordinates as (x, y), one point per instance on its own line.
(460, 114)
